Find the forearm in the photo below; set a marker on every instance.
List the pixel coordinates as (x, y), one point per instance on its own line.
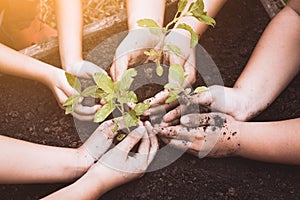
(17, 64)
(69, 21)
(276, 142)
(88, 187)
(141, 9)
(274, 63)
(211, 6)
(24, 162)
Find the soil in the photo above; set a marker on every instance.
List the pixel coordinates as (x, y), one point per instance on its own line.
(29, 112)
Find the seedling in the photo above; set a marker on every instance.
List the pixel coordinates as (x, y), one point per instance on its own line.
(177, 77)
(196, 10)
(116, 95)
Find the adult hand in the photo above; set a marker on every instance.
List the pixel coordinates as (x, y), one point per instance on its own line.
(212, 134)
(131, 51)
(117, 167)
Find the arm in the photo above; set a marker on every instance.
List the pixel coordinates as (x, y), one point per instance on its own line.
(69, 23)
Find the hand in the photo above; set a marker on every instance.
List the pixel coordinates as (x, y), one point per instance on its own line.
(212, 134)
(219, 98)
(131, 51)
(62, 91)
(117, 167)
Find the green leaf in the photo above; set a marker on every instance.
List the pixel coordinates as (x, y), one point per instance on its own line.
(128, 97)
(140, 108)
(206, 19)
(73, 82)
(181, 5)
(200, 89)
(151, 53)
(194, 36)
(197, 8)
(171, 86)
(127, 79)
(72, 100)
(116, 128)
(104, 82)
(104, 112)
(69, 109)
(121, 136)
(176, 74)
(159, 70)
(90, 91)
(99, 94)
(148, 23)
(174, 49)
(131, 119)
(171, 98)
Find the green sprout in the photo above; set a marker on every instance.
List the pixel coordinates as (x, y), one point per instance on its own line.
(196, 10)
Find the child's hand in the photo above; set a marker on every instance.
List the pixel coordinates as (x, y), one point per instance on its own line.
(117, 167)
(62, 91)
(84, 69)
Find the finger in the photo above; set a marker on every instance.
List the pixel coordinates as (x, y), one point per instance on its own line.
(205, 119)
(102, 138)
(174, 59)
(203, 98)
(83, 117)
(145, 145)
(174, 114)
(190, 69)
(60, 96)
(159, 98)
(132, 139)
(86, 110)
(161, 109)
(178, 144)
(153, 141)
(171, 123)
(182, 133)
(118, 67)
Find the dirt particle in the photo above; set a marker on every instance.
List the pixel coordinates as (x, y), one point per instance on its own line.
(224, 133)
(234, 133)
(219, 121)
(228, 138)
(213, 128)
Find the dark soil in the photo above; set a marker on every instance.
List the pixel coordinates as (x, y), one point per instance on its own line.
(28, 111)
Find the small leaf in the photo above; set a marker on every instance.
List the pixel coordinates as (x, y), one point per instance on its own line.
(72, 100)
(127, 79)
(176, 74)
(69, 110)
(73, 82)
(131, 119)
(104, 112)
(197, 7)
(121, 136)
(116, 128)
(147, 23)
(200, 89)
(171, 86)
(206, 19)
(90, 91)
(159, 70)
(104, 82)
(194, 36)
(151, 53)
(140, 108)
(128, 97)
(181, 5)
(171, 98)
(174, 49)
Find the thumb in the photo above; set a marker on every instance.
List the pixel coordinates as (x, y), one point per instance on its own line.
(118, 67)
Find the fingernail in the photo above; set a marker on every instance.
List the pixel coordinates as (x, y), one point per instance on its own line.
(185, 120)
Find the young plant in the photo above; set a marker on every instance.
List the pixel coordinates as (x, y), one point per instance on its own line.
(116, 95)
(177, 78)
(196, 10)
